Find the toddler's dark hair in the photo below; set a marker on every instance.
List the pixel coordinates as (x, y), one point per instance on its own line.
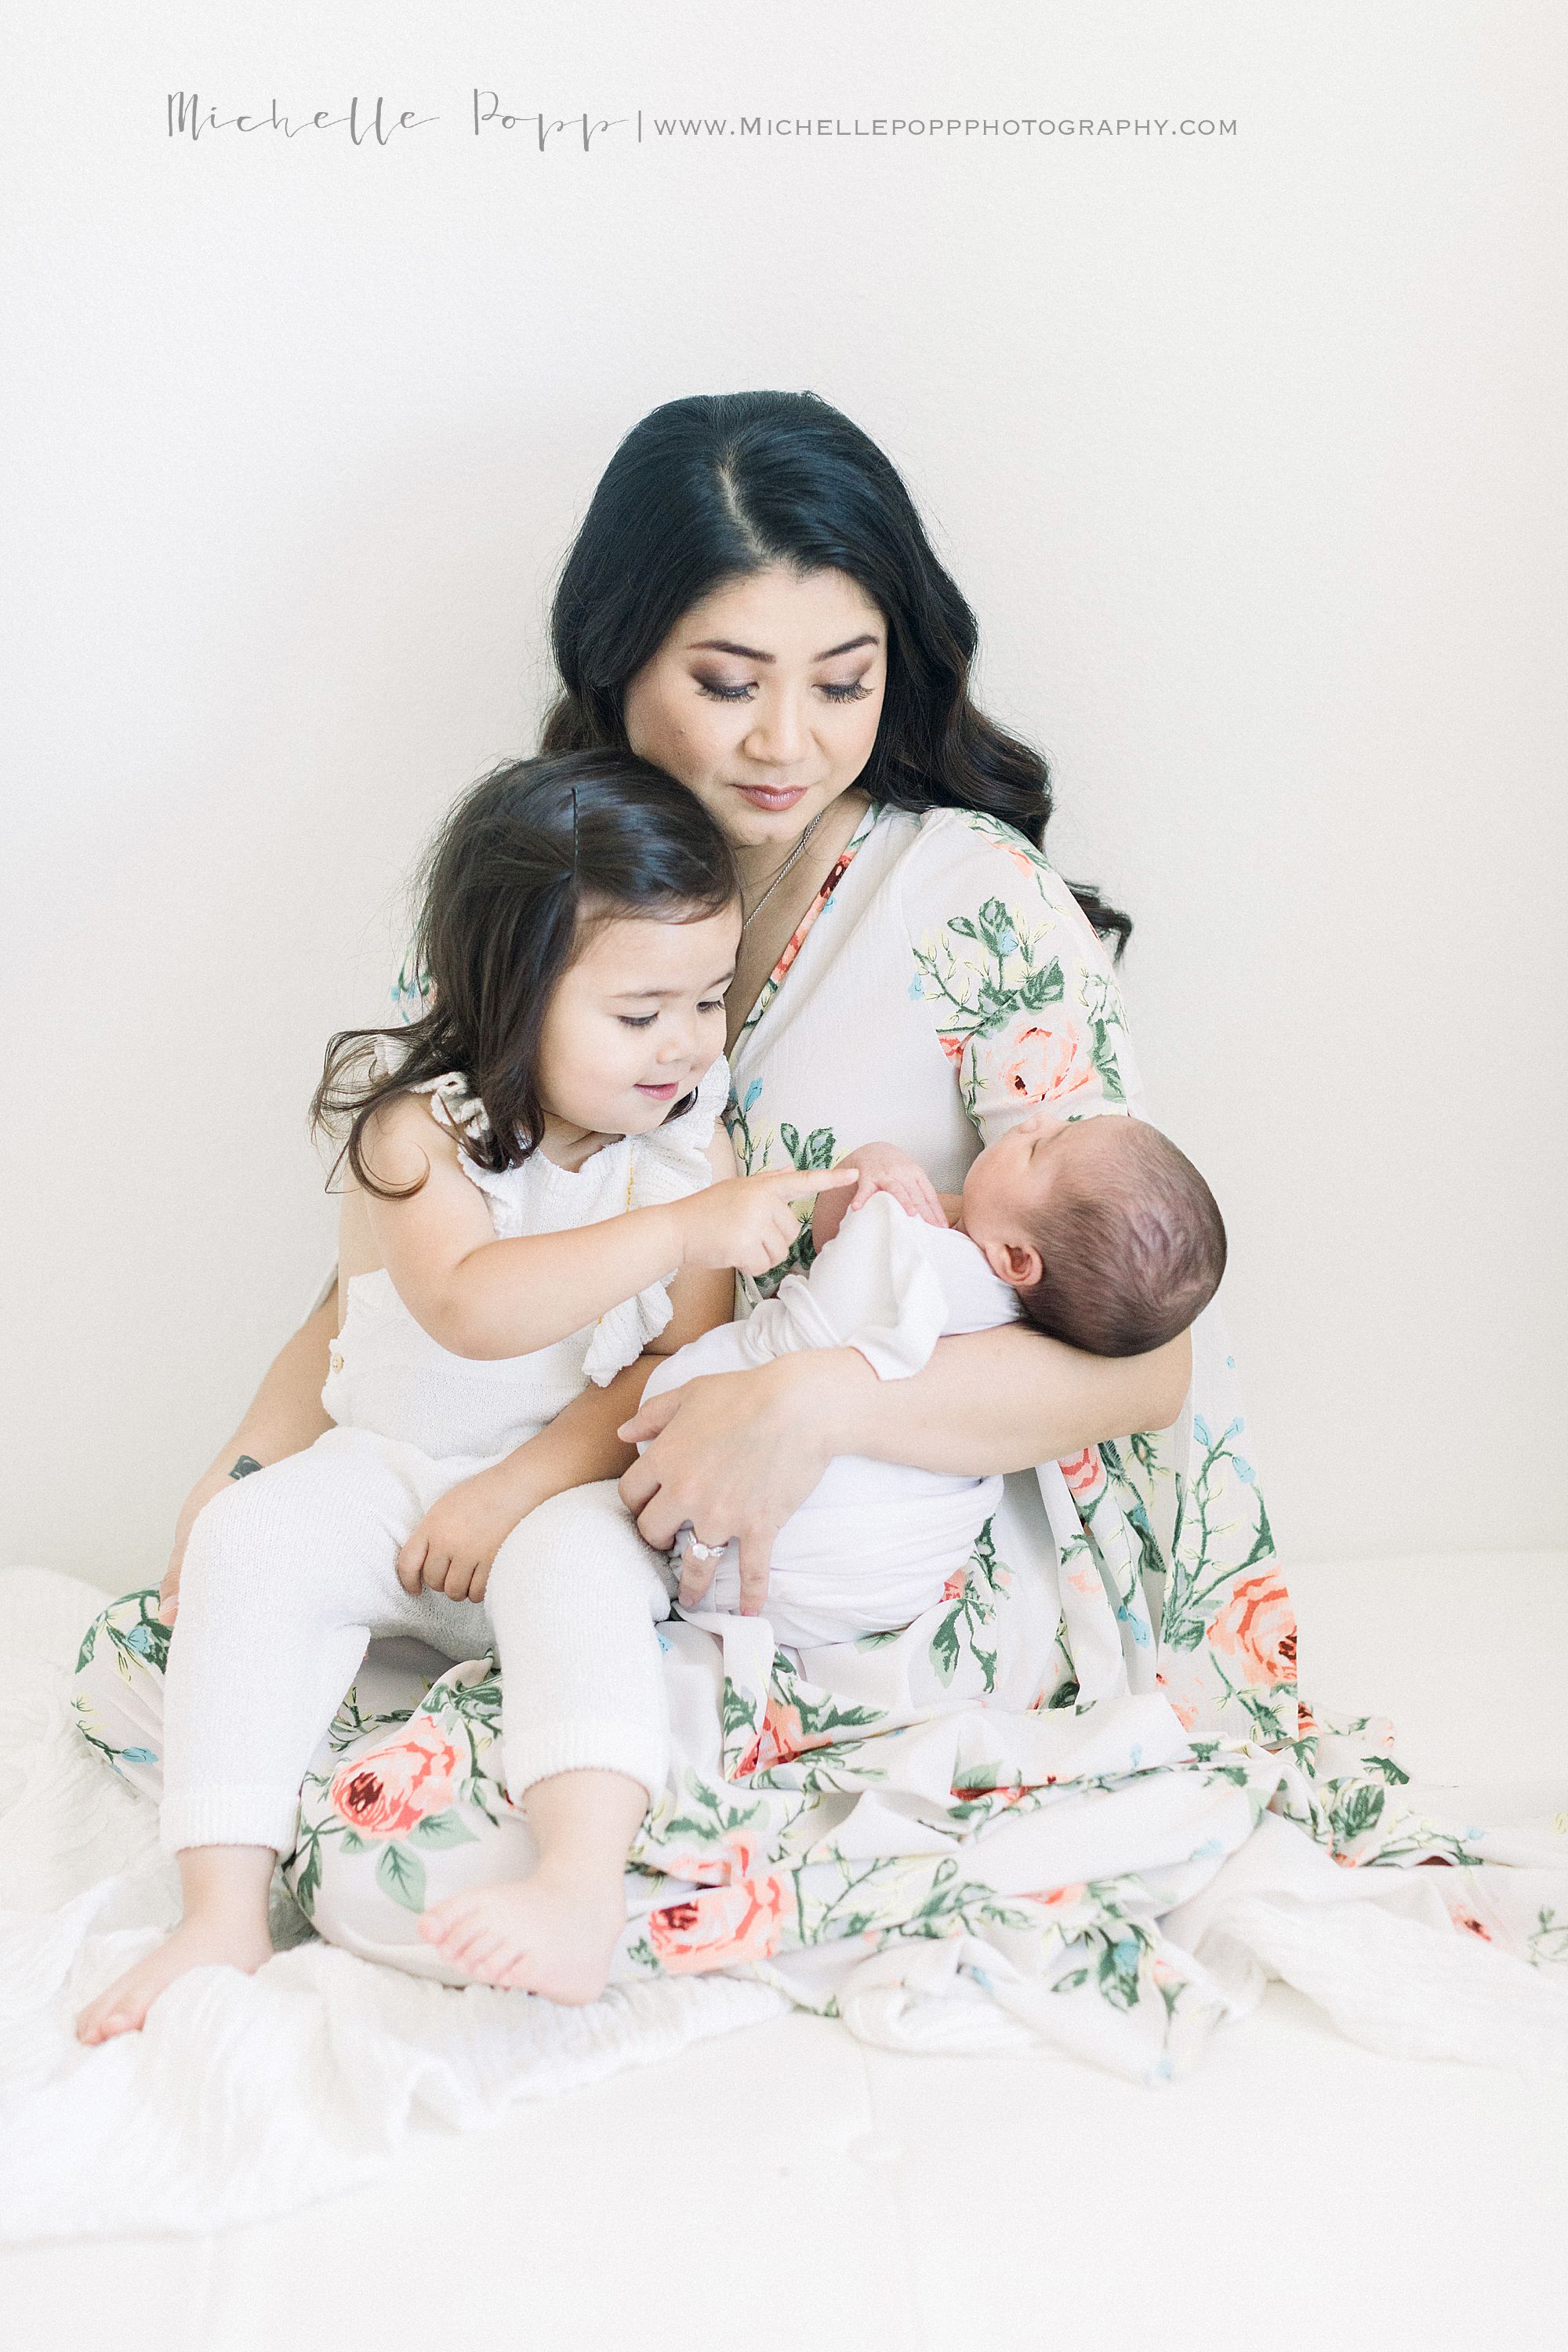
(1131, 1252)
(536, 851)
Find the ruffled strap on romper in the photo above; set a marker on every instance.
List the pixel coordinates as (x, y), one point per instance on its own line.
(635, 1172)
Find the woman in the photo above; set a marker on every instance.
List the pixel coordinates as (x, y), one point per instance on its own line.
(752, 605)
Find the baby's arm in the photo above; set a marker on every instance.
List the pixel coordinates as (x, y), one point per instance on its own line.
(483, 1297)
(883, 1169)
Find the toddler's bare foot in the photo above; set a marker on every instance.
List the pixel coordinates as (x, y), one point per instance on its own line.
(194, 1944)
(546, 1935)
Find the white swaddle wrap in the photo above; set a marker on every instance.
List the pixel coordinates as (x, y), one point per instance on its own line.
(873, 1543)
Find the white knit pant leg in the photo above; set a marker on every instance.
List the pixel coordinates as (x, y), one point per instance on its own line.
(286, 1576)
(573, 1596)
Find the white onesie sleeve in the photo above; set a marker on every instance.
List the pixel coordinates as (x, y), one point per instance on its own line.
(888, 1284)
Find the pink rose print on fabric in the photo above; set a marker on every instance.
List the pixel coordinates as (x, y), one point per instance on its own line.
(1258, 1628)
(743, 1922)
(957, 1585)
(783, 1738)
(953, 1048)
(384, 1793)
(1045, 1065)
(720, 1867)
(1185, 1712)
(1085, 1474)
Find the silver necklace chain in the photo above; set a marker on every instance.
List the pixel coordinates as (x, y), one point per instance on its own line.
(784, 870)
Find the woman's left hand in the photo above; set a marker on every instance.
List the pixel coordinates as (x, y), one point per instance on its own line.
(735, 1454)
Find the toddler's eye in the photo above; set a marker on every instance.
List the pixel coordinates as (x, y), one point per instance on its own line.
(713, 1005)
(636, 1020)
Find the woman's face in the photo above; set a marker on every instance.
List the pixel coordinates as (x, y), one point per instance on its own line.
(763, 700)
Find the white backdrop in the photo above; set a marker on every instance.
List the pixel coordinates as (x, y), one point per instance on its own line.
(1245, 447)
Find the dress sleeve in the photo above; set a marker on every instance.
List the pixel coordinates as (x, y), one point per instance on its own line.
(1019, 990)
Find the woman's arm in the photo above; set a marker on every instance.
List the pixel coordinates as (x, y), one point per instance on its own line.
(737, 1452)
(285, 1415)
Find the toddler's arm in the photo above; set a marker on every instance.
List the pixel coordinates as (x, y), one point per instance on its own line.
(453, 1548)
(883, 1168)
(485, 1297)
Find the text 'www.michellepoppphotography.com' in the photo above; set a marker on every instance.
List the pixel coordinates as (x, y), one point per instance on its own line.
(378, 122)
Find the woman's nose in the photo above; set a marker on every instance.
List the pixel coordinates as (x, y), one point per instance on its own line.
(779, 734)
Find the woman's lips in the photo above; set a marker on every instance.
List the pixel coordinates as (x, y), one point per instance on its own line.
(764, 796)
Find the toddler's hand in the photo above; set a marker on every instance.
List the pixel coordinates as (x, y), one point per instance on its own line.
(885, 1168)
(453, 1548)
(747, 1221)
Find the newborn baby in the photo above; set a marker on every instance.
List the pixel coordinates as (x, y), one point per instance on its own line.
(1098, 1231)
(1107, 1233)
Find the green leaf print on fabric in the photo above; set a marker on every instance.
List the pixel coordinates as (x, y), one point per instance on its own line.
(1548, 1942)
(970, 1599)
(754, 1149)
(138, 1634)
(441, 1829)
(401, 1875)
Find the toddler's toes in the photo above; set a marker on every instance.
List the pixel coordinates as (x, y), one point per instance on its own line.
(445, 1923)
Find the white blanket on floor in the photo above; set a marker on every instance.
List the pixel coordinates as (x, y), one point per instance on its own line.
(249, 2097)
(246, 2097)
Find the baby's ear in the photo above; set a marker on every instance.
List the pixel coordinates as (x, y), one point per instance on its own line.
(1016, 1261)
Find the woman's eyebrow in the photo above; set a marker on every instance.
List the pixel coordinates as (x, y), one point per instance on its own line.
(751, 652)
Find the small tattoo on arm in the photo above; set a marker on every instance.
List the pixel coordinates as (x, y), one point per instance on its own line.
(244, 1467)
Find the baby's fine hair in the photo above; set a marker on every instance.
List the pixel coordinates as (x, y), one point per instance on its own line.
(534, 854)
(1131, 1245)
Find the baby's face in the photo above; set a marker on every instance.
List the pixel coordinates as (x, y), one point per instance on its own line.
(1010, 1183)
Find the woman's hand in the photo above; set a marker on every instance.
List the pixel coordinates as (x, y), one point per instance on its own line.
(225, 1470)
(735, 1454)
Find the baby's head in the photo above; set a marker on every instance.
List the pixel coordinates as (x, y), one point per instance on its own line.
(578, 928)
(1107, 1233)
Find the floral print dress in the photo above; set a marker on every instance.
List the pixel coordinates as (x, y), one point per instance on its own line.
(1013, 1792)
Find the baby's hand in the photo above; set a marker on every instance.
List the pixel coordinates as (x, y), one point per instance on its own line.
(746, 1221)
(453, 1548)
(885, 1168)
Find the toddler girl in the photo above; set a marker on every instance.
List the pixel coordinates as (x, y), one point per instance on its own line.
(534, 1207)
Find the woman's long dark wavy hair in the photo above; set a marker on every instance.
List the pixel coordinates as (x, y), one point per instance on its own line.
(536, 852)
(712, 487)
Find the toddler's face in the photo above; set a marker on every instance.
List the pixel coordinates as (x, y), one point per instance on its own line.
(636, 1021)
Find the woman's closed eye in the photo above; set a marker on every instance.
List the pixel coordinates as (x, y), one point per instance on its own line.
(853, 693)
